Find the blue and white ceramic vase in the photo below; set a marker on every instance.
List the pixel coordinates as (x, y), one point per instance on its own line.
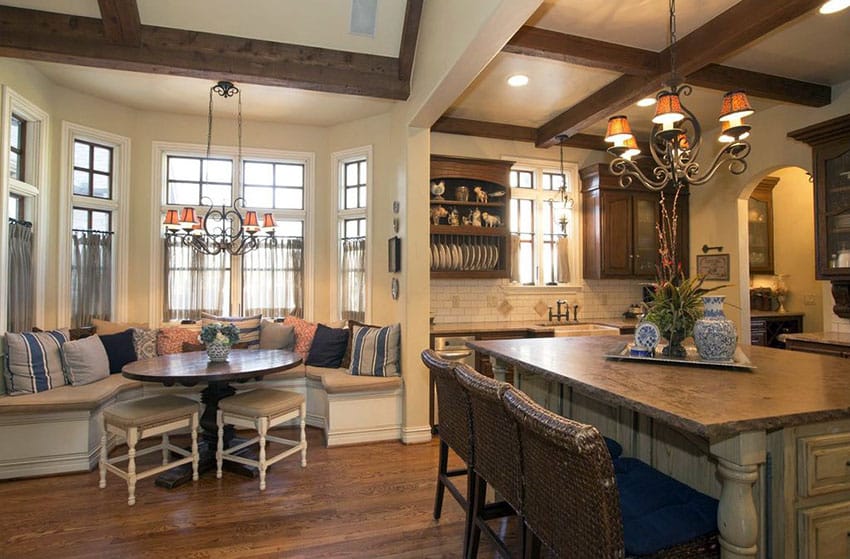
(715, 335)
(218, 352)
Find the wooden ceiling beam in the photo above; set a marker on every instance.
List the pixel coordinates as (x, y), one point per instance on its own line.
(543, 43)
(36, 35)
(121, 21)
(409, 36)
(738, 26)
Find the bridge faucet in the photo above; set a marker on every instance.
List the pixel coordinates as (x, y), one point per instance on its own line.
(560, 314)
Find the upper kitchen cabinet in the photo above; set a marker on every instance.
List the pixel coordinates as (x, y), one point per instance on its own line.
(830, 143)
(620, 238)
(470, 235)
(760, 224)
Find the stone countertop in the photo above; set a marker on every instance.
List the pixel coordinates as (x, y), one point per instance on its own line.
(834, 338)
(774, 314)
(787, 388)
(531, 327)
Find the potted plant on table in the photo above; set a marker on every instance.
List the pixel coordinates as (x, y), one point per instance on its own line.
(218, 338)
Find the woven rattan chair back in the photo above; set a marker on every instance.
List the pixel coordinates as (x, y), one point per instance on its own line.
(452, 404)
(570, 501)
(494, 435)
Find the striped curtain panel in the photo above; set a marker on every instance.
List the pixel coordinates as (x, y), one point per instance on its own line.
(20, 316)
(91, 277)
(563, 260)
(352, 272)
(273, 278)
(195, 283)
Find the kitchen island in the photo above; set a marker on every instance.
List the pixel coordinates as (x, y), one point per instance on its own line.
(772, 443)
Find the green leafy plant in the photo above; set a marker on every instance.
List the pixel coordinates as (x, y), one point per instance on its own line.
(217, 332)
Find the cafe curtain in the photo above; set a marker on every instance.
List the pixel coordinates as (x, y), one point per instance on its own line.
(273, 278)
(91, 276)
(20, 315)
(353, 279)
(563, 247)
(515, 255)
(194, 282)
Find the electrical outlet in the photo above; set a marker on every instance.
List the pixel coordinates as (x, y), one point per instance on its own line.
(455, 301)
(808, 299)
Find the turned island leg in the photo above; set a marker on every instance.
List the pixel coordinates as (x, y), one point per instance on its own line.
(738, 461)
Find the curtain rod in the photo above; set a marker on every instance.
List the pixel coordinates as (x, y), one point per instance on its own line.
(92, 231)
(20, 222)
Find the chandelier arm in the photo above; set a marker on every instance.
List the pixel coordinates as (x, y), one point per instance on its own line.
(628, 172)
(734, 154)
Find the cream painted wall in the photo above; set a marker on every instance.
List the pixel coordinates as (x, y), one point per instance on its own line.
(794, 246)
(718, 210)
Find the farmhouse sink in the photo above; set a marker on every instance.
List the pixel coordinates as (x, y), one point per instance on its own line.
(563, 330)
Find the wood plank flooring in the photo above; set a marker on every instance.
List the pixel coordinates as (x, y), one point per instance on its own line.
(370, 501)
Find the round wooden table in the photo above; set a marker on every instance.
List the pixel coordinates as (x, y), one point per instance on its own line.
(190, 369)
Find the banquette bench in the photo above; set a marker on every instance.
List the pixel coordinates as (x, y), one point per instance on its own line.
(59, 430)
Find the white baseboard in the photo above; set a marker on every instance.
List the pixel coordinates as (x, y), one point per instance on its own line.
(416, 435)
(360, 436)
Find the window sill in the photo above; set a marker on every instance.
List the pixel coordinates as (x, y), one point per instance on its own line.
(517, 289)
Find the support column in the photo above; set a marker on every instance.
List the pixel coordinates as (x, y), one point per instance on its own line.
(738, 514)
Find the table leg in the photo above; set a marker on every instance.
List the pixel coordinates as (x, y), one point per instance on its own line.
(210, 397)
(737, 515)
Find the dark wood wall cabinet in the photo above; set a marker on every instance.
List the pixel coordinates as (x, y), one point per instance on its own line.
(767, 328)
(760, 222)
(620, 239)
(830, 143)
(469, 220)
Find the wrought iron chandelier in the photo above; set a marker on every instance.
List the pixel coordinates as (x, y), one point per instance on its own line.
(676, 136)
(220, 229)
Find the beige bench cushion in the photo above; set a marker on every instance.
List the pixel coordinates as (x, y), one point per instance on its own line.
(68, 398)
(317, 373)
(262, 402)
(338, 381)
(149, 412)
(293, 373)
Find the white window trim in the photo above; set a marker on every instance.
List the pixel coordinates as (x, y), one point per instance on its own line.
(162, 149)
(119, 205)
(573, 228)
(338, 158)
(36, 189)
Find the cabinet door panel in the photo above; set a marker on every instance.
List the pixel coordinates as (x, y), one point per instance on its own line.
(645, 235)
(617, 237)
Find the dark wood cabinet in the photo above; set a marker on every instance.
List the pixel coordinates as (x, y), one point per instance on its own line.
(470, 237)
(766, 328)
(620, 238)
(760, 226)
(830, 143)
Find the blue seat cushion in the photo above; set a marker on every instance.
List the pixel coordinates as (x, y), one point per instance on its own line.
(614, 448)
(658, 511)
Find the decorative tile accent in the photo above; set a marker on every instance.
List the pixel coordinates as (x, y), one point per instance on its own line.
(542, 309)
(505, 307)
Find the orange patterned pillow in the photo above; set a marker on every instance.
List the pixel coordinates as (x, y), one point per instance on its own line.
(170, 340)
(304, 333)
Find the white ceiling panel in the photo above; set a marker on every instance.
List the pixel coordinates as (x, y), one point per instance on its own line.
(86, 8)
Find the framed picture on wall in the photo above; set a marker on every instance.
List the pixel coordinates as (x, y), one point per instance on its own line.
(394, 255)
(713, 266)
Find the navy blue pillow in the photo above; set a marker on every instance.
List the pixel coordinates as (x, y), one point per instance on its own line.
(329, 346)
(119, 349)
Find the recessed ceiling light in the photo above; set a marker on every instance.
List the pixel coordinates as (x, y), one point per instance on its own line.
(833, 6)
(518, 80)
(646, 102)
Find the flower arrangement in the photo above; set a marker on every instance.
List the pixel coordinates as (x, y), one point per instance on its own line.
(219, 333)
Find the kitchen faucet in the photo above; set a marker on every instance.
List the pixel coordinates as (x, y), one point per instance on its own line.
(560, 315)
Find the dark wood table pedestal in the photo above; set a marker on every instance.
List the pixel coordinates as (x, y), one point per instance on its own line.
(190, 369)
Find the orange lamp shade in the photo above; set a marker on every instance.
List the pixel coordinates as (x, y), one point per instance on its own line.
(250, 224)
(632, 149)
(619, 130)
(269, 222)
(187, 218)
(735, 106)
(198, 227)
(668, 109)
(171, 220)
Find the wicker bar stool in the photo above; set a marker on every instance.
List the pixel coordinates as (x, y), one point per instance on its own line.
(147, 417)
(495, 459)
(454, 433)
(261, 409)
(572, 502)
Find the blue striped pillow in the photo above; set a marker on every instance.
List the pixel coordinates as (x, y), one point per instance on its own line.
(34, 361)
(249, 326)
(375, 352)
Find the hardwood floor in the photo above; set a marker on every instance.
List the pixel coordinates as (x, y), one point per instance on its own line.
(360, 501)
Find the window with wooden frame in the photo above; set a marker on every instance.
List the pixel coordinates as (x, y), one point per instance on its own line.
(92, 170)
(18, 148)
(352, 171)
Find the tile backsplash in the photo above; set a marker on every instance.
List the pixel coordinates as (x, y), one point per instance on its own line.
(498, 300)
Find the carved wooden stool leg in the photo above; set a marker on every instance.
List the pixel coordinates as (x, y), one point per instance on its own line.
(104, 455)
(132, 440)
(219, 449)
(262, 429)
(303, 435)
(195, 455)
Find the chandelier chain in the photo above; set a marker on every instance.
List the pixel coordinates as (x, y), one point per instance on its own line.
(673, 75)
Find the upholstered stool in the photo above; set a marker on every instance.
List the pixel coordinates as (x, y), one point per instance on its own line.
(261, 409)
(146, 417)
